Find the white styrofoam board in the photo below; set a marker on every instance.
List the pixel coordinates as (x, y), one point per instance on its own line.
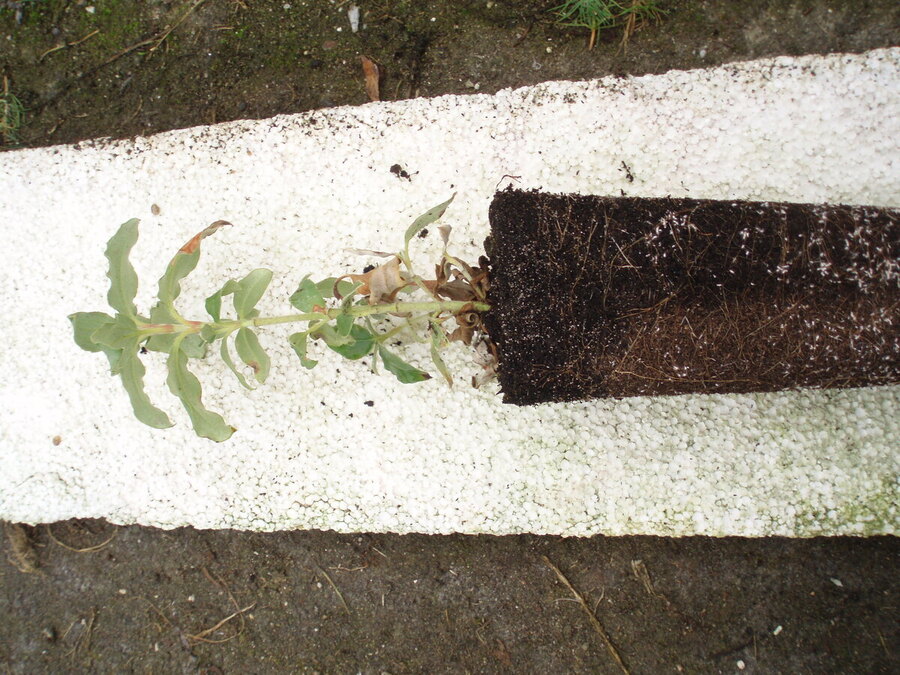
(423, 458)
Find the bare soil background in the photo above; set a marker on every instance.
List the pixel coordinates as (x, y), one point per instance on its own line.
(170, 601)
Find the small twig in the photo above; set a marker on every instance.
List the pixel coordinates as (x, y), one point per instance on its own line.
(68, 44)
(159, 38)
(89, 549)
(335, 588)
(176, 24)
(341, 568)
(595, 622)
(201, 636)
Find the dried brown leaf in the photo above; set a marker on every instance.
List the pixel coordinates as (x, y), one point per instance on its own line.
(368, 251)
(380, 284)
(385, 282)
(371, 74)
(445, 233)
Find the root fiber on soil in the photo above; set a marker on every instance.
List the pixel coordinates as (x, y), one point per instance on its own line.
(612, 297)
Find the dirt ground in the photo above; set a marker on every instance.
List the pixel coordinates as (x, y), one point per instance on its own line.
(231, 602)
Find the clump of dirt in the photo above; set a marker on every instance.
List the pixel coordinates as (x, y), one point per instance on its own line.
(607, 296)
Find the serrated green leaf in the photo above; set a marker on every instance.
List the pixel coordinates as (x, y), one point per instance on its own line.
(85, 324)
(426, 219)
(298, 342)
(403, 371)
(252, 353)
(249, 290)
(123, 280)
(361, 342)
(116, 335)
(308, 295)
(186, 386)
(182, 264)
(226, 357)
(131, 370)
(214, 302)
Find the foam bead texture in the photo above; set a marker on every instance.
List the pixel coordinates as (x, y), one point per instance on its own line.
(424, 458)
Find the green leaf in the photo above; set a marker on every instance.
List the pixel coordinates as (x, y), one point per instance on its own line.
(194, 345)
(308, 295)
(123, 280)
(359, 343)
(208, 334)
(347, 296)
(438, 340)
(251, 353)
(186, 386)
(298, 342)
(226, 357)
(326, 287)
(162, 314)
(331, 337)
(116, 335)
(425, 220)
(131, 370)
(182, 264)
(343, 324)
(249, 290)
(214, 302)
(85, 324)
(403, 371)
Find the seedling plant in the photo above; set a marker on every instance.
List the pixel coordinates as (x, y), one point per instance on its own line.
(356, 315)
(598, 14)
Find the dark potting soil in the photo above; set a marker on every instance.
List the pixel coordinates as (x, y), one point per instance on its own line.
(613, 297)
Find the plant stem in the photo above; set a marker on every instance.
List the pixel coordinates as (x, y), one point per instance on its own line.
(368, 310)
(356, 311)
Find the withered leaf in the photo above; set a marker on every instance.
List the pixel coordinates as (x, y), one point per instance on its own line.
(380, 284)
(371, 74)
